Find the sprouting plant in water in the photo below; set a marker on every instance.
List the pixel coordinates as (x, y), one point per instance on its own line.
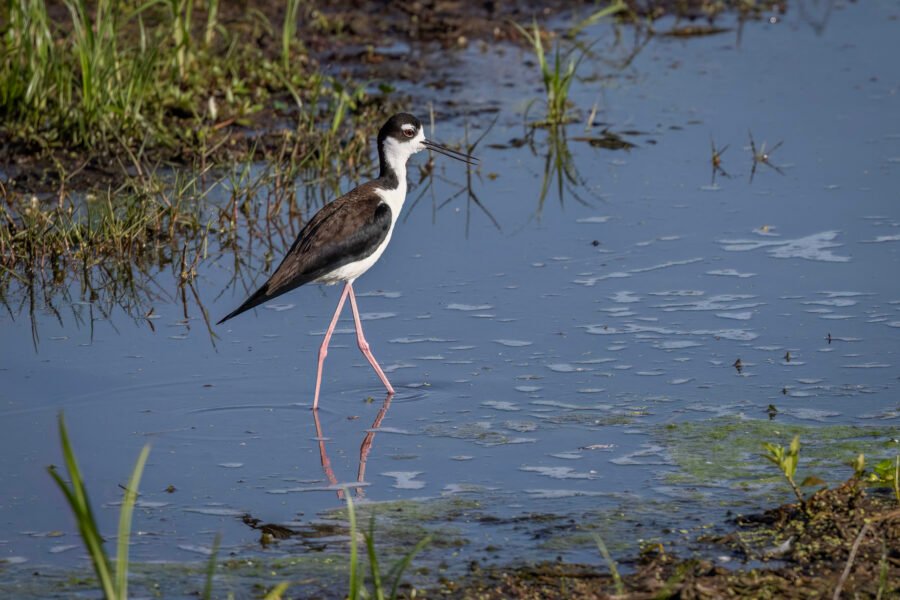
(613, 568)
(288, 32)
(113, 580)
(211, 568)
(557, 75)
(212, 22)
(614, 7)
(181, 15)
(762, 156)
(716, 160)
(278, 591)
(559, 167)
(786, 459)
(358, 589)
(887, 473)
(859, 466)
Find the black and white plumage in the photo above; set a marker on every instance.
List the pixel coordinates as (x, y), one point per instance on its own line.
(347, 236)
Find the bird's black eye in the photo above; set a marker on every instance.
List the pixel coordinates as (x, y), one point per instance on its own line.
(409, 132)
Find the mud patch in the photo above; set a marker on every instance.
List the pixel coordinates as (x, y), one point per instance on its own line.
(845, 539)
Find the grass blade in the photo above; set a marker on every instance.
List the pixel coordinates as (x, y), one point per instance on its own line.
(401, 565)
(276, 592)
(211, 568)
(373, 560)
(354, 580)
(125, 514)
(76, 496)
(613, 569)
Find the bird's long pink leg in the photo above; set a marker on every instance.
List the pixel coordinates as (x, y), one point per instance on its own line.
(364, 345)
(323, 349)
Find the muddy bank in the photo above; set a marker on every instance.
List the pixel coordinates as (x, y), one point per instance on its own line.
(845, 539)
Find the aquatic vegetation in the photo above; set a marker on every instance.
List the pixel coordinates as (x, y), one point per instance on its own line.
(614, 7)
(762, 156)
(100, 102)
(786, 459)
(113, 576)
(559, 165)
(887, 472)
(289, 32)
(211, 568)
(716, 160)
(113, 243)
(724, 449)
(557, 76)
(110, 242)
(113, 581)
(357, 587)
(613, 568)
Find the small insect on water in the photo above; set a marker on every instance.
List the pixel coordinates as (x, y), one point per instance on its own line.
(348, 235)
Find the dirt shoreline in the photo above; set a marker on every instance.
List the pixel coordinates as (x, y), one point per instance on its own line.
(845, 538)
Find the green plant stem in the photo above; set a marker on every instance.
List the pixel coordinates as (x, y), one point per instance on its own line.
(125, 514)
(613, 568)
(114, 587)
(354, 579)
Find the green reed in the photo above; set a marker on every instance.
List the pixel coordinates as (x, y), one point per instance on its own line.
(380, 591)
(113, 578)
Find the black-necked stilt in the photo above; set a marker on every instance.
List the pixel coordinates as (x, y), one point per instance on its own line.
(347, 236)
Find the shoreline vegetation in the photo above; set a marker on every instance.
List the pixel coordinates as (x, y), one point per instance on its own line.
(133, 133)
(836, 542)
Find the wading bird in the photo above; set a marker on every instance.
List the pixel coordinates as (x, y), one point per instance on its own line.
(347, 236)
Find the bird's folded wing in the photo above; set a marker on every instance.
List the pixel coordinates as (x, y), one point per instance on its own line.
(342, 232)
(345, 231)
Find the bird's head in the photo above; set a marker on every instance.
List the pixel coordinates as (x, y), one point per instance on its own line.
(403, 135)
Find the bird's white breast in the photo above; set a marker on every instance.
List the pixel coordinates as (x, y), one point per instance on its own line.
(351, 271)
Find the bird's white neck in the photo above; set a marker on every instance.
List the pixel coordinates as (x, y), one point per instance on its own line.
(393, 160)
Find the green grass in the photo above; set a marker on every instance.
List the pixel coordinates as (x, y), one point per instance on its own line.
(558, 72)
(289, 32)
(557, 76)
(357, 587)
(125, 87)
(115, 224)
(611, 564)
(116, 75)
(113, 578)
(76, 87)
(727, 450)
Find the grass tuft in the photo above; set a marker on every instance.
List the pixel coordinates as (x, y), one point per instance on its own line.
(558, 73)
(357, 588)
(113, 581)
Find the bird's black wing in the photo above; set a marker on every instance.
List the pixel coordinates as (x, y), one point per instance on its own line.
(344, 231)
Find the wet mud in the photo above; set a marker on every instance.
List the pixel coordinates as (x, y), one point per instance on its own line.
(845, 542)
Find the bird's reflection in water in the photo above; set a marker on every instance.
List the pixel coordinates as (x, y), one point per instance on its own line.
(364, 450)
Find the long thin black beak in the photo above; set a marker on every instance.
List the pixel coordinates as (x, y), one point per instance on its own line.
(466, 158)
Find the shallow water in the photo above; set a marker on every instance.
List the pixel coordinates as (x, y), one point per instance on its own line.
(537, 365)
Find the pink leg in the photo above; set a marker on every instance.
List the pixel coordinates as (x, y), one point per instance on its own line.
(323, 349)
(364, 345)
